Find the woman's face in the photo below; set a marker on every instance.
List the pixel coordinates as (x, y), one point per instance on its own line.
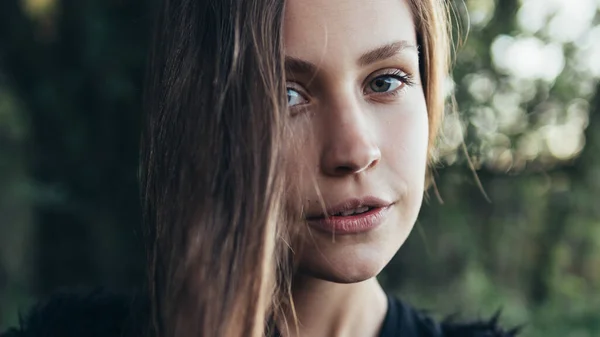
(359, 131)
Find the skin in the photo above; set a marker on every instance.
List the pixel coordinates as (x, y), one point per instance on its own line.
(358, 129)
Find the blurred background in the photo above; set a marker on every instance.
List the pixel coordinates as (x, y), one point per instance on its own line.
(523, 234)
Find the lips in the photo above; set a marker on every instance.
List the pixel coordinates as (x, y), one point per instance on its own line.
(352, 216)
(358, 210)
(349, 207)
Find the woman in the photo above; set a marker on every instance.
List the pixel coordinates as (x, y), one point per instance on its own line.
(283, 165)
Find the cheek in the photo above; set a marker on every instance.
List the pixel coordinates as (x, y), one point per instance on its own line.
(300, 161)
(404, 139)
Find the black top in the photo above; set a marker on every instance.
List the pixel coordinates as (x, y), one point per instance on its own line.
(105, 314)
(402, 320)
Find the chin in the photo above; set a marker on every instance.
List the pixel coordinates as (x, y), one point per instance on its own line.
(355, 257)
(348, 261)
(342, 274)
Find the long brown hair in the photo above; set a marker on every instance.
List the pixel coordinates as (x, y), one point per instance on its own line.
(211, 189)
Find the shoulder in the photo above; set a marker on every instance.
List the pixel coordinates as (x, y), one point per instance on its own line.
(479, 328)
(412, 322)
(92, 313)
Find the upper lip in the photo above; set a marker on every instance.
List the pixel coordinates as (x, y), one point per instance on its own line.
(350, 204)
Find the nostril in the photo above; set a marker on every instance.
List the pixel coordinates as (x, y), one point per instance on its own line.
(351, 161)
(347, 169)
(349, 151)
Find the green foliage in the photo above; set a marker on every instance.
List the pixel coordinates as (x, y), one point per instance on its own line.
(533, 248)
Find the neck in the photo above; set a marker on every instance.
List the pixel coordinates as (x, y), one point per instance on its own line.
(327, 309)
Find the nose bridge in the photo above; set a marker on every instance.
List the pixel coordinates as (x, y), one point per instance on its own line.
(350, 138)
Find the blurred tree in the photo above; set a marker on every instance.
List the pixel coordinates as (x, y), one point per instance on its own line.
(77, 70)
(524, 83)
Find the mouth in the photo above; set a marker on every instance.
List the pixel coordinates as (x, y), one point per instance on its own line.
(352, 216)
(350, 207)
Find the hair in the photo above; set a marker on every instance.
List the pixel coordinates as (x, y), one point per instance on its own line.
(212, 194)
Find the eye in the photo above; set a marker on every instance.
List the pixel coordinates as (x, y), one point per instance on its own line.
(385, 83)
(388, 83)
(294, 97)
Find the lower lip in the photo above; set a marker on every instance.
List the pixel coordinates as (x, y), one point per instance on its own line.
(352, 224)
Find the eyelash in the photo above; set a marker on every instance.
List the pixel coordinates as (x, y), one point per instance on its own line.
(404, 77)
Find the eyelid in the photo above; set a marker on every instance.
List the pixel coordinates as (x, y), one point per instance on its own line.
(294, 85)
(300, 89)
(405, 77)
(388, 71)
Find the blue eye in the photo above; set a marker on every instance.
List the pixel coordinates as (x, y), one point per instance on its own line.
(294, 97)
(385, 83)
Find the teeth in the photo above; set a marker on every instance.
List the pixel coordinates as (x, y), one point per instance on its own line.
(362, 209)
(346, 213)
(354, 211)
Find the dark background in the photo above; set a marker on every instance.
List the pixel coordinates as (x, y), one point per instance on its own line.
(526, 84)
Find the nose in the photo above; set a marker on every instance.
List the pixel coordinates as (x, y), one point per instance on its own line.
(350, 145)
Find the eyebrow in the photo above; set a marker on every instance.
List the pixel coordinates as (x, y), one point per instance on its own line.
(384, 52)
(299, 66)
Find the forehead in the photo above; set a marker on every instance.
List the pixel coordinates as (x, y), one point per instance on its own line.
(314, 29)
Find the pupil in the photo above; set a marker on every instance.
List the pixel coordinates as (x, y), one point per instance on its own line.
(291, 95)
(381, 85)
